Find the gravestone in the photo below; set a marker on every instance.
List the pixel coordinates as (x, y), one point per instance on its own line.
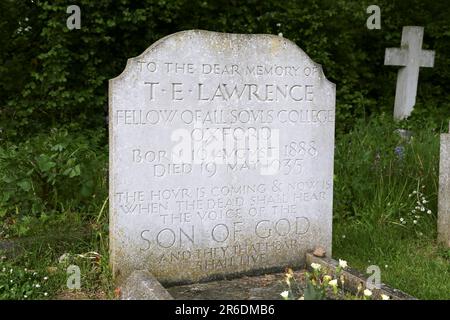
(444, 191)
(410, 57)
(221, 157)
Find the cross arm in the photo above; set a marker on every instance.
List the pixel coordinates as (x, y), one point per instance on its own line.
(427, 58)
(395, 57)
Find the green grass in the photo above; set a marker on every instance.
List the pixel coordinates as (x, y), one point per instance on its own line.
(376, 188)
(417, 266)
(379, 178)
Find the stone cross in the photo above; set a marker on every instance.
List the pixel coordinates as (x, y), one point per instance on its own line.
(444, 191)
(410, 57)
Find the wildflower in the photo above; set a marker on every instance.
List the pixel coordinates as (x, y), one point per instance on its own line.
(414, 192)
(278, 24)
(333, 283)
(386, 266)
(424, 201)
(316, 266)
(342, 264)
(25, 296)
(415, 221)
(45, 294)
(429, 211)
(45, 278)
(422, 209)
(384, 297)
(11, 281)
(284, 294)
(280, 34)
(401, 219)
(4, 269)
(37, 285)
(10, 270)
(327, 278)
(343, 236)
(367, 293)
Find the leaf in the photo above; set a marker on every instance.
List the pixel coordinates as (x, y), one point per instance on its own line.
(44, 163)
(25, 185)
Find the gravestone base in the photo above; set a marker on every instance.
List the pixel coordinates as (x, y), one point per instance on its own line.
(261, 287)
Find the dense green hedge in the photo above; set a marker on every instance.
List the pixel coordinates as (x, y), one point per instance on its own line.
(50, 75)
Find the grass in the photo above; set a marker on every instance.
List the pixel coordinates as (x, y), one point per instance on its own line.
(416, 266)
(380, 184)
(380, 216)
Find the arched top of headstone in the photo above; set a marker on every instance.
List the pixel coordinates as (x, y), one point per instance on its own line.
(228, 47)
(221, 157)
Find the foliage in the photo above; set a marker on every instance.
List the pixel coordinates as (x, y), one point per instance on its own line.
(377, 167)
(19, 283)
(55, 173)
(51, 75)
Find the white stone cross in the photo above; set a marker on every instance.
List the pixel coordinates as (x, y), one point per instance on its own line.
(410, 57)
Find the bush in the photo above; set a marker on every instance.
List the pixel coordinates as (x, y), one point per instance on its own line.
(61, 171)
(50, 75)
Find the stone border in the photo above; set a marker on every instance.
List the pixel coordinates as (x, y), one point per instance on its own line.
(354, 278)
(142, 285)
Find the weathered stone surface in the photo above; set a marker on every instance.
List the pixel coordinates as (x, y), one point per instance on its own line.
(221, 157)
(141, 285)
(262, 287)
(444, 191)
(410, 57)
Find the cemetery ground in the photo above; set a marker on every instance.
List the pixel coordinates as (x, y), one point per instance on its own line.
(385, 203)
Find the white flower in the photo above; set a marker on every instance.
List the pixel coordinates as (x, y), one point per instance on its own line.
(429, 211)
(367, 293)
(38, 285)
(45, 294)
(278, 24)
(415, 221)
(280, 34)
(422, 209)
(316, 266)
(424, 201)
(11, 281)
(342, 264)
(4, 269)
(284, 294)
(25, 296)
(386, 266)
(333, 283)
(414, 192)
(343, 236)
(45, 278)
(401, 219)
(384, 297)
(10, 270)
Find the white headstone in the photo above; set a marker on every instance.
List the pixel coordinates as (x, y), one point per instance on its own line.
(410, 57)
(221, 157)
(444, 191)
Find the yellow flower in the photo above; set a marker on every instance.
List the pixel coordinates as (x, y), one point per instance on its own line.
(327, 278)
(316, 266)
(384, 297)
